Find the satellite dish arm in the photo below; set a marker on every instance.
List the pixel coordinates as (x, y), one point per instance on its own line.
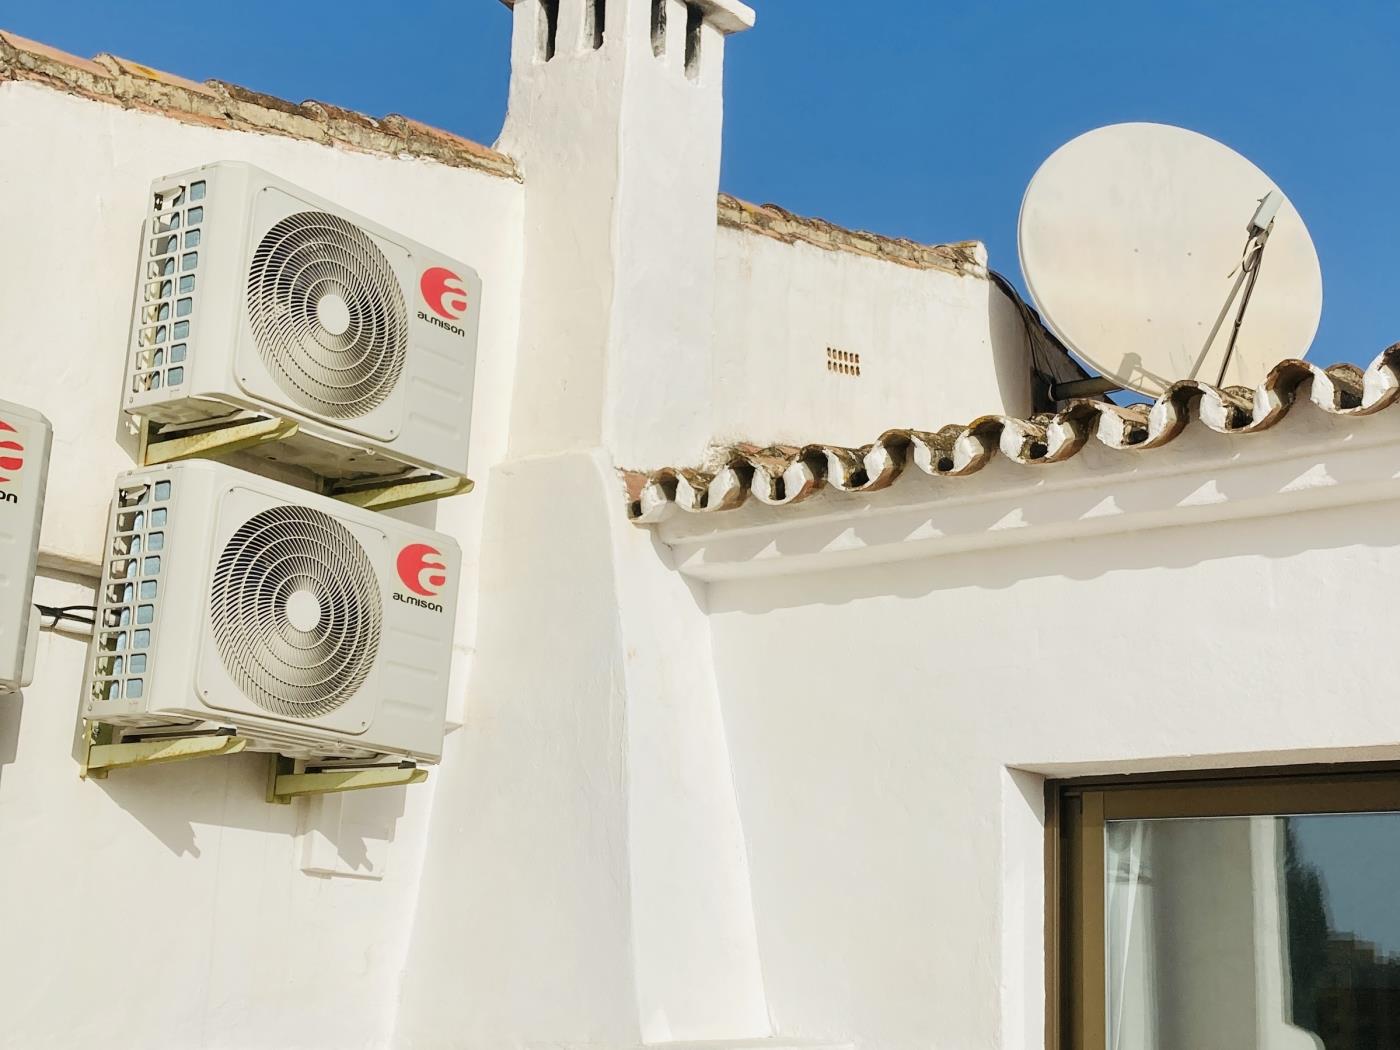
(1259, 229)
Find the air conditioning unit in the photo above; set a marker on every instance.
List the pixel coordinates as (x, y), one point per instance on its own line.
(311, 627)
(255, 298)
(25, 439)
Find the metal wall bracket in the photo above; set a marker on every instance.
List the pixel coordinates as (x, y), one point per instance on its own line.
(1095, 386)
(166, 445)
(220, 440)
(284, 783)
(402, 492)
(102, 754)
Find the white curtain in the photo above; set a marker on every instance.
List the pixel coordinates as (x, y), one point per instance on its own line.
(1132, 1006)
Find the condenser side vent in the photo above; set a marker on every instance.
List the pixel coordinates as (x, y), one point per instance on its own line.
(168, 288)
(129, 602)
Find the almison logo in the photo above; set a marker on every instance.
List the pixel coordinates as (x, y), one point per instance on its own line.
(423, 572)
(445, 295)
(11, 459)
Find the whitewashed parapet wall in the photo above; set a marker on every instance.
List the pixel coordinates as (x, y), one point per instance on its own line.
(825, 336)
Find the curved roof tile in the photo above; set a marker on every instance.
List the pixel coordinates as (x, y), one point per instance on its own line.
(783, 475)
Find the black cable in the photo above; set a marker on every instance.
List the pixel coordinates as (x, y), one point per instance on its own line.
(1051, 361)
(68, 612)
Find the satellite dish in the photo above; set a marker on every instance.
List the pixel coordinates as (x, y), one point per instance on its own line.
(1157, 254)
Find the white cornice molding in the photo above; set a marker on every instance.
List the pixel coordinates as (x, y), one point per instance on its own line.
(1311, 460)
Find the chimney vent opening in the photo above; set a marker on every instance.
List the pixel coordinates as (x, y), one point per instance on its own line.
(658, 27)
(549, 29)
(597, 21)
(694, 24)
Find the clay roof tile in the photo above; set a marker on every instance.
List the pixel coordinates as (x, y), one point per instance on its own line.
(118, 66)
(32, 51)
(784, 475)
(215, 103)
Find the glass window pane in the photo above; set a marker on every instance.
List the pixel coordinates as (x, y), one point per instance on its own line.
(1254, 933)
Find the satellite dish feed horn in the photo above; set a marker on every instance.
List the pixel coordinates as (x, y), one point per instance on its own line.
(1129, 243)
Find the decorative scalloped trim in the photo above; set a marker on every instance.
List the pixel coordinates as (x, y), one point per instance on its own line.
(783, 475)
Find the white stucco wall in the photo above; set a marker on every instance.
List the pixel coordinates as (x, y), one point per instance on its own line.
(168, 907)
(1220, 602)
(934, 347)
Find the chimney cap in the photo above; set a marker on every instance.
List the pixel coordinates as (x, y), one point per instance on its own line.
(728, 16)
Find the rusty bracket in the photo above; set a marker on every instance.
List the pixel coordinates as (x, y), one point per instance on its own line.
(284, 783)
(157, 445)
(102, 752)
(221, 440)
(403, 492)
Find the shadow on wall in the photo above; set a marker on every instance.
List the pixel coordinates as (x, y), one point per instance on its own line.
(11, 711)
(699, 590)
(351, 833)
(173, 800)
(345, 835)
(1077, 559)
(1011, 353)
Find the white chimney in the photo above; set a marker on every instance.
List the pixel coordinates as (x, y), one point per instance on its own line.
(616, 111)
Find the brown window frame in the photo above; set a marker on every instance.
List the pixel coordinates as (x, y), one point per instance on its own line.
(1076, 810)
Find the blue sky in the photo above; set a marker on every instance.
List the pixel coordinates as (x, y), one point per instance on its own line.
(920, 120)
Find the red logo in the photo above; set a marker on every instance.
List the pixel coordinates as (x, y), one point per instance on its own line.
(416, 561)
(443, 292)
(10, 458)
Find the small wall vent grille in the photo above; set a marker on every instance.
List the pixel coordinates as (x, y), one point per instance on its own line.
(129, 603)
(168, 288)
(842, 362)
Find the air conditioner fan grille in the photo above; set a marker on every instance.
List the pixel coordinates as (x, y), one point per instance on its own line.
(296, 614)
(327, 314)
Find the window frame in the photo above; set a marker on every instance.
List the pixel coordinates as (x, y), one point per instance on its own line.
(1076, 811)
